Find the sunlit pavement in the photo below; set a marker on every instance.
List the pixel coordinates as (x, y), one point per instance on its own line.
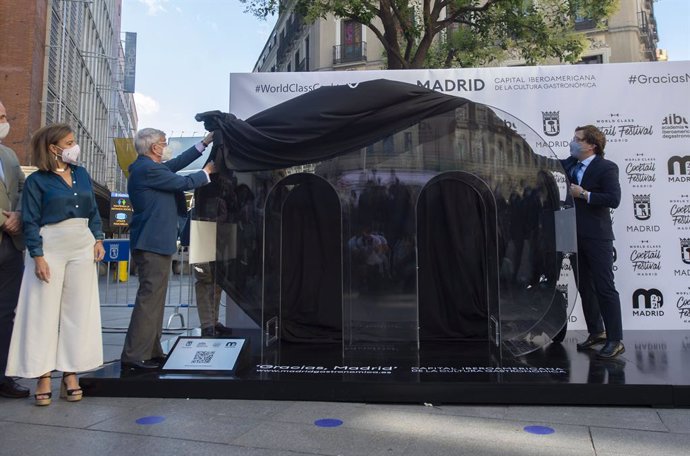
(98, 426)
(104, 426)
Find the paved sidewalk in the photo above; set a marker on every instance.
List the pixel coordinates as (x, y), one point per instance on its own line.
(103, 426)
(129, 426)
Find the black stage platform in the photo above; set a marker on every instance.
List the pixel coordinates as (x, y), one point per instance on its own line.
(654, 371)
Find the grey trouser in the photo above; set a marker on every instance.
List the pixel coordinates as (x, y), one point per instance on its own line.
(143, 340)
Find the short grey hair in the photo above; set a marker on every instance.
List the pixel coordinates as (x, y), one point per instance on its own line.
(145, 138)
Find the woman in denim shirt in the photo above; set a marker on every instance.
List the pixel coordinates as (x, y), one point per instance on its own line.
(58, 322)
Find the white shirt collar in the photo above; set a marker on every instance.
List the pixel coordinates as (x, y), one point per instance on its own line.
(588, 160)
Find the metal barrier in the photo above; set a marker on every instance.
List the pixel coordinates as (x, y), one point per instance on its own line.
(118, 284)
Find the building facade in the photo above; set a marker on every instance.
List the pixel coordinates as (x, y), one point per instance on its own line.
(330, 44)
(630, 35)
(74, 60)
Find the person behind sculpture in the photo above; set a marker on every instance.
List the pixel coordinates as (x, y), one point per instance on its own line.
(157, 198)
(11, 252)
(596, 189)
(58, 322)
(208, 295)
(208, 291)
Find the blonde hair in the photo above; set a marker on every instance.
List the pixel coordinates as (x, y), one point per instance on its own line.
(41, 156)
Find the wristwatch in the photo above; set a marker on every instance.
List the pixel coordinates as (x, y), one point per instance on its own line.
(583, 194)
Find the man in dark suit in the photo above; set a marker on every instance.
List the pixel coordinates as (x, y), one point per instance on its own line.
(596, 189)
(156, 193)
(11, 252)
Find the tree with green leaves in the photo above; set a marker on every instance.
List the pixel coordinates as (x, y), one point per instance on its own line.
(460, 33)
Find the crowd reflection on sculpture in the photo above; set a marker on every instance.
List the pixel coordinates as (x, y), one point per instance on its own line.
(455, 230)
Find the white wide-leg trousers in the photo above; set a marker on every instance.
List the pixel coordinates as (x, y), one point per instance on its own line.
(58, 324)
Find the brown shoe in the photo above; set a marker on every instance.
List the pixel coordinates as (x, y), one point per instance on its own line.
(221, 330)
(611, 349)
(592, 339)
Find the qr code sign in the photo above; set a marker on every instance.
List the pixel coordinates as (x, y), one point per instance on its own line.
(203, 357)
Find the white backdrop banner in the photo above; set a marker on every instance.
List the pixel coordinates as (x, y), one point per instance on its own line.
(643, 108)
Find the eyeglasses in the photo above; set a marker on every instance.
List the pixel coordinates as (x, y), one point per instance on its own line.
(164, 143)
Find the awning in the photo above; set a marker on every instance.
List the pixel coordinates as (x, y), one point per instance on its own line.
(126, 154)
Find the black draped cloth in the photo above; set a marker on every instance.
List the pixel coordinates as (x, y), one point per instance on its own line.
(319, 125)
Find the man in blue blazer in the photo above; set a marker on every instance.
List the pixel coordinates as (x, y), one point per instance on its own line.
(156, 193)
(596, 189)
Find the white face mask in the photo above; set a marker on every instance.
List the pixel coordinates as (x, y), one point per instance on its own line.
(4, 130)
(166, 154)
(71, 154)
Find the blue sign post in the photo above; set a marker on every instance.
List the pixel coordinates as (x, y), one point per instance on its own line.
(116, 250)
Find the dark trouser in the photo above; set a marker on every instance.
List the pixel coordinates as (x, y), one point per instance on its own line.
(11, 271)
(600, 300)
(143, 340)
(207, 294)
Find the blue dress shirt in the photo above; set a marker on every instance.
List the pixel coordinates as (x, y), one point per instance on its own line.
(581, 172)
(47, 199)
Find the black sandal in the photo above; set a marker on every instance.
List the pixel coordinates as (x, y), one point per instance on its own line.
(72, 395)
(43, 399)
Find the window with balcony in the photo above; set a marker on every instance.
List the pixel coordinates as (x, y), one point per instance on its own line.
(351, 48)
